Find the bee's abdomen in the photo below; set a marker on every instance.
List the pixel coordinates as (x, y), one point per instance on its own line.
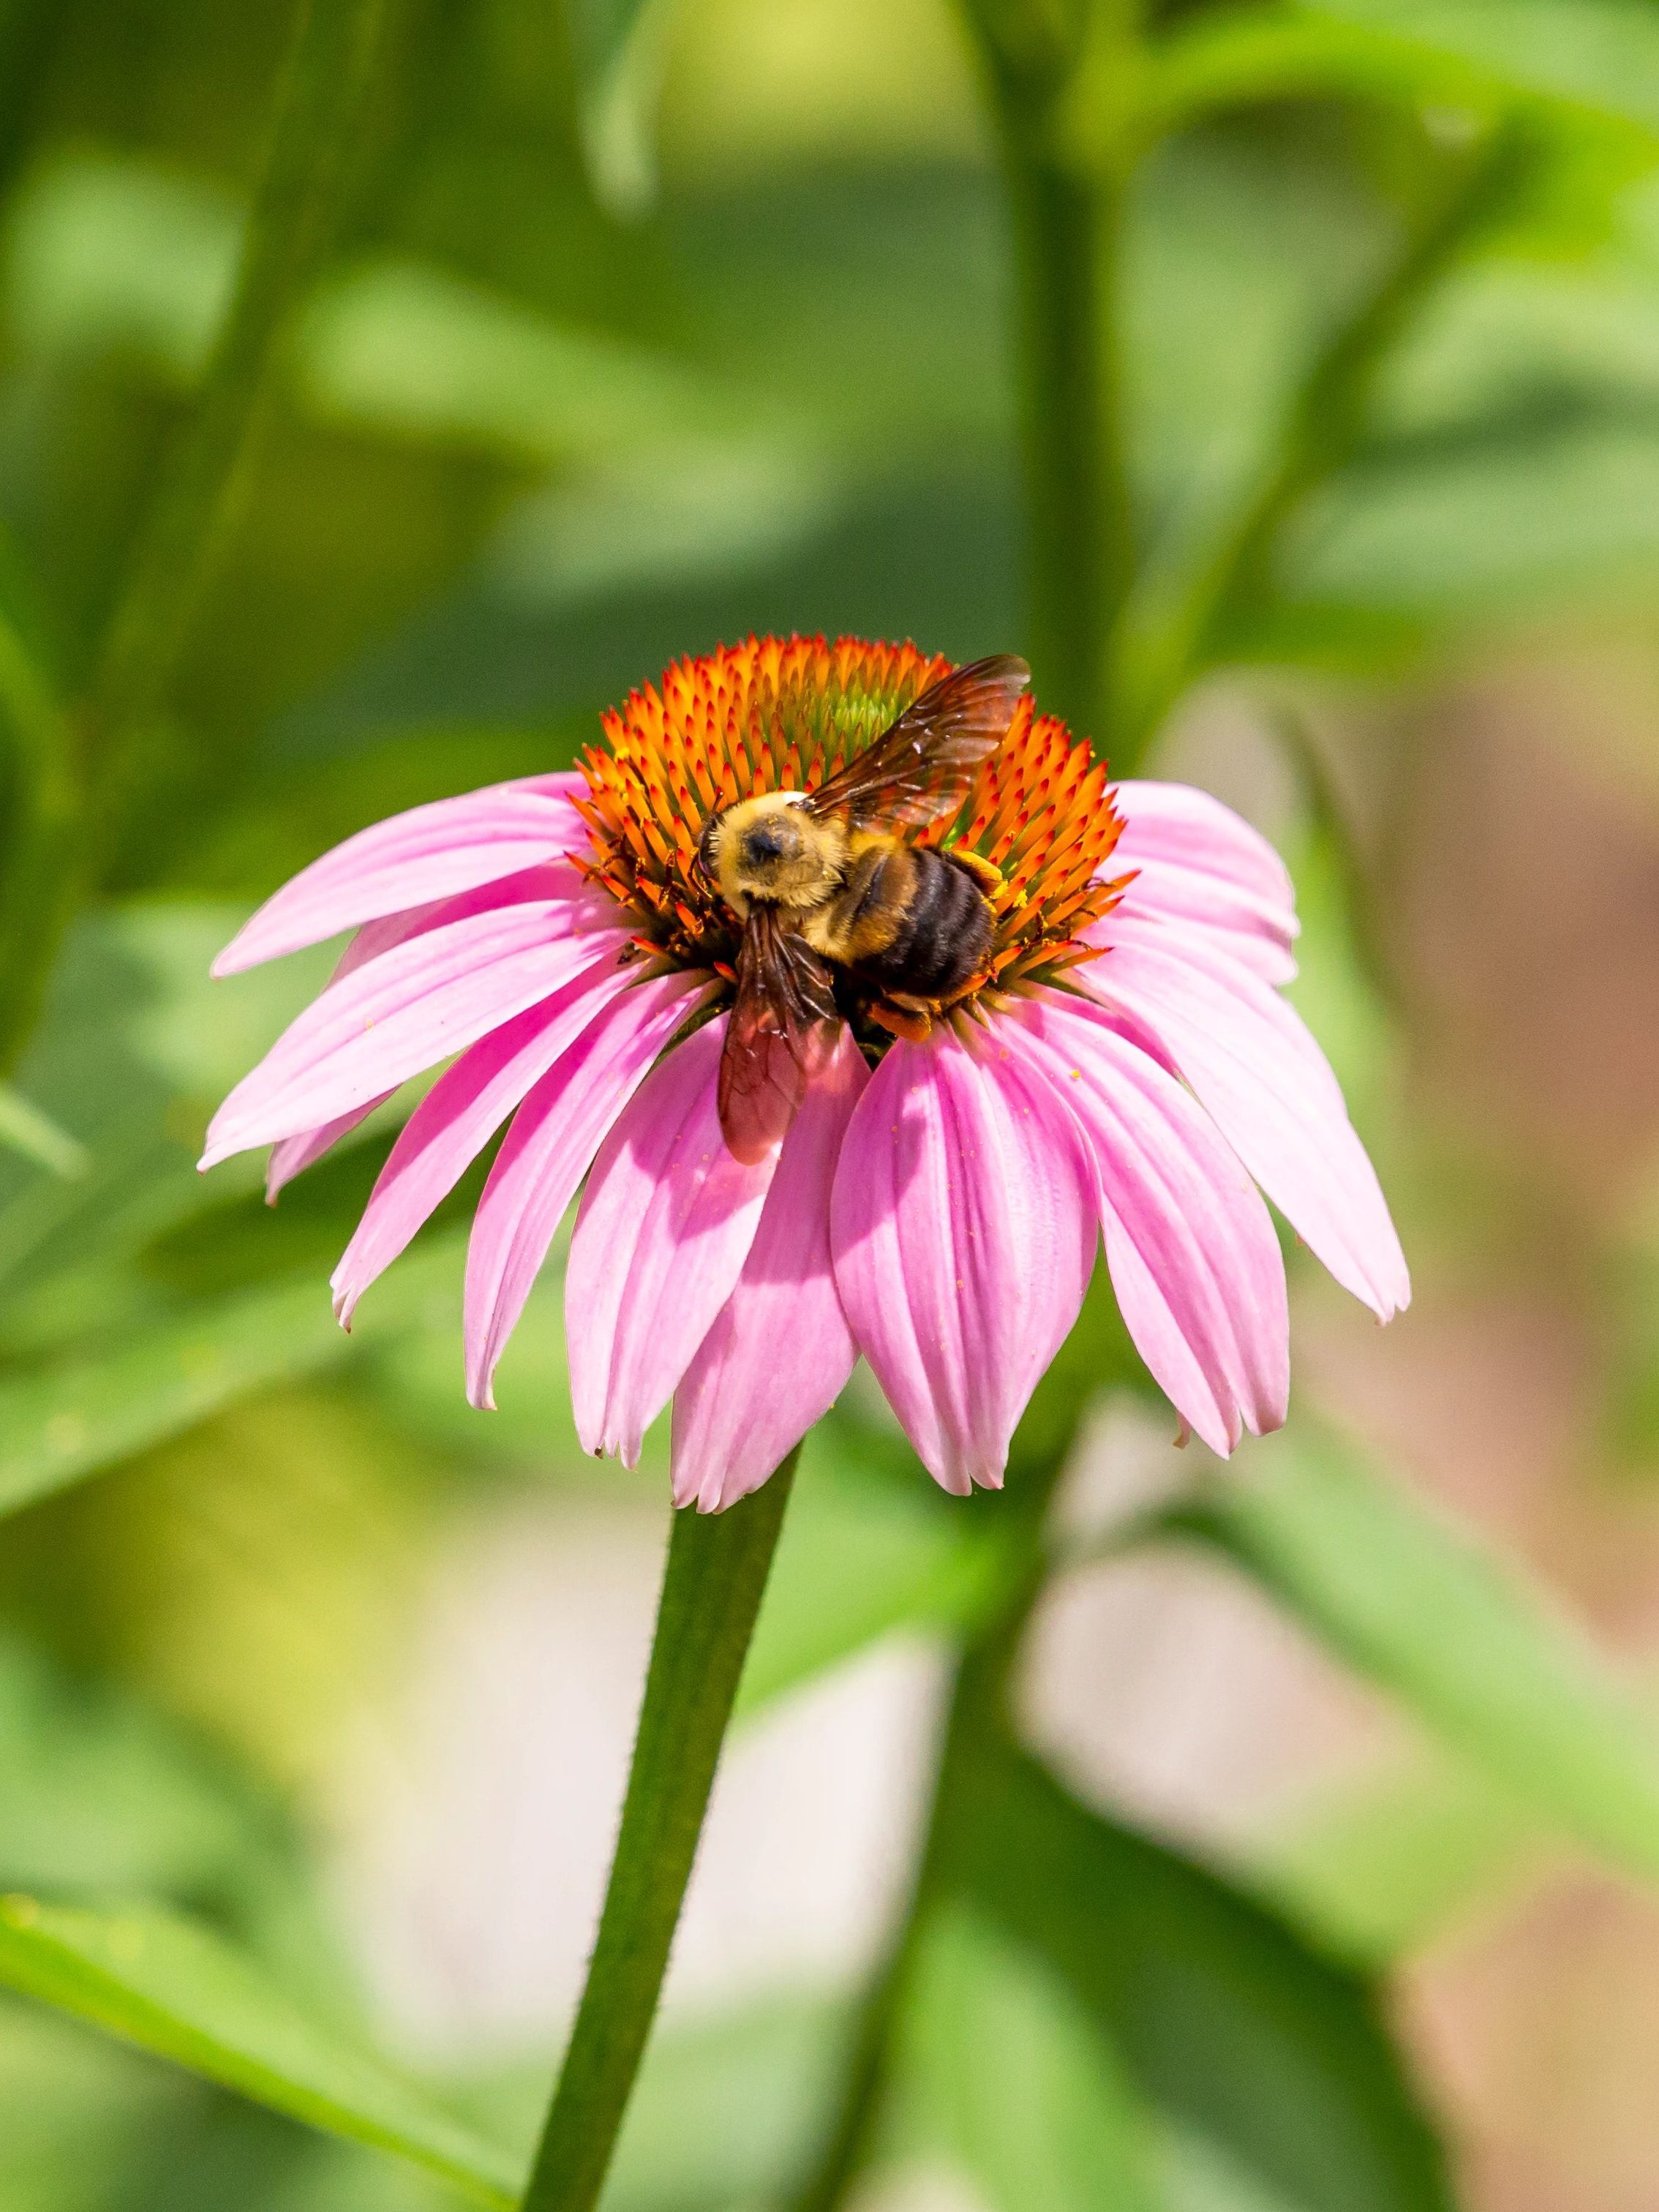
(941, 935)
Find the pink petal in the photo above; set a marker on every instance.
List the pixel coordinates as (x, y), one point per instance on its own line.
(1180, 824)
(780, 1352)
(1205, 1272)
(1256, 1068)
(427, 998)
(963, 1224)
(292, 1156)
(1156, 1334)
(1167, 959)
(564, 783)
(1200, 866)
(545, 1154)
(665, 1225)
(429, 852)
(458, 1117)
(1248, 927)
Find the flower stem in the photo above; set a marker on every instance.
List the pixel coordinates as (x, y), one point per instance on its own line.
(315, 126)
(711, 1593)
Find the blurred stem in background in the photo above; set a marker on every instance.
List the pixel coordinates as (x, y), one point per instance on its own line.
(711, 1593)
(69, 767)
(1057, 88)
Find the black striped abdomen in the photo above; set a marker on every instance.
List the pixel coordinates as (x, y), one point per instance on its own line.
(942, 937)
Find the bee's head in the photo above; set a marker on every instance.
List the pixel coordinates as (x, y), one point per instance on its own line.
(767, 848)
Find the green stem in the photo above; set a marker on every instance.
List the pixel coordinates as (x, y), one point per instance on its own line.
(711, 1593)
(314, 131)
(1065, 232)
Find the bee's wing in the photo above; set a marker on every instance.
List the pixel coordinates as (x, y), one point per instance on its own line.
(922, 766)
(778, 1030)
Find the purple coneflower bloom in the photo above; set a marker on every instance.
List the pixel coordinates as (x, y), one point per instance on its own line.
(1124, 1066)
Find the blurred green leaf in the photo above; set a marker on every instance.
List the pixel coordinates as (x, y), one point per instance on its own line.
(1381, 1867)
(1459, 531)
(1601, 54)
(619, 49)
(56, 1428)
(1022, 2089)
(172, 1988)
(412, 352)
(136, 1047)
(24, 1129)
(1273, 2059)
(1220, 57)
(73, 2105)
(101, 1793)
(107, 253)
(1474, 1650)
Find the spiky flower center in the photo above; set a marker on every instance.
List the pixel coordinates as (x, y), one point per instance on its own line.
(781, 714)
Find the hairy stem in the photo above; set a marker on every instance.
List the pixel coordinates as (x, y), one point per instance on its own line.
(318, 111)
(711, 1593)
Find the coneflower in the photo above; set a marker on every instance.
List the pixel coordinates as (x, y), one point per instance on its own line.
(1123, 1065)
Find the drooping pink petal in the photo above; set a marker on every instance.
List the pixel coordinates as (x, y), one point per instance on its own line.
(665, 1225)
(1209, 1267)
(1258, 1071)
(780, 1352)
(429, 852)
(545, 1154)
(1156, 1334)
(964, 1227)
(1187, 828)
(458, 1117)
(430, 996)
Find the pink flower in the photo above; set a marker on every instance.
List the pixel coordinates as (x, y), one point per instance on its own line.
(1125, 1067)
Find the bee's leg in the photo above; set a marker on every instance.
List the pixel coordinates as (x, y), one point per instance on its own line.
(986, 873)
(913, 1026)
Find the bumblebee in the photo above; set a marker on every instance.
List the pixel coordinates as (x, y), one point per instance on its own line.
(825, 882)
